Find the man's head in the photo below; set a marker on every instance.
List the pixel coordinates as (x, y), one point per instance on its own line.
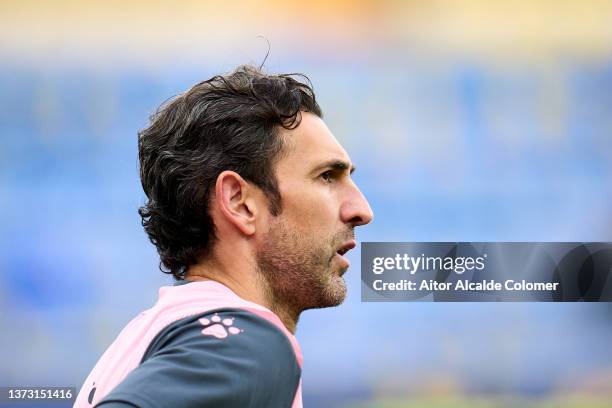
(243, 165)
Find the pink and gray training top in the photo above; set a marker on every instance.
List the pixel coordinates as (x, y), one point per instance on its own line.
(200, 345)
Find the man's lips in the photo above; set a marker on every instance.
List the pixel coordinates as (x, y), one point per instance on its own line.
(347, 246)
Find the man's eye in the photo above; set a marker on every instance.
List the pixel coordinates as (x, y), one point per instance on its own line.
(327, 176)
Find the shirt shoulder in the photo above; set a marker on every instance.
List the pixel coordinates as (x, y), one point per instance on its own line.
(226, 357)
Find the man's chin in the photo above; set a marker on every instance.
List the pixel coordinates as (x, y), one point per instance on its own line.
(332, 294)
(337, 291)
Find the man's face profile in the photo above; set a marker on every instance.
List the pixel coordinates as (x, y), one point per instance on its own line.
(252, 191)
(301, 253)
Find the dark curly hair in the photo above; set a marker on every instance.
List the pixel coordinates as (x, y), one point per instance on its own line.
(228, 122)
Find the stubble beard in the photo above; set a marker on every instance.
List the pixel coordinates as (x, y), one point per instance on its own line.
(299, 272)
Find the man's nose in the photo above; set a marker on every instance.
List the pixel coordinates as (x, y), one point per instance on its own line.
(355, 210)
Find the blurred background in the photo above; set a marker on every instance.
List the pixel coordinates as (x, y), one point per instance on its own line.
(468, 120)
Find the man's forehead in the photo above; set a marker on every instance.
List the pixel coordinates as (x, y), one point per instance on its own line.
(312, 144)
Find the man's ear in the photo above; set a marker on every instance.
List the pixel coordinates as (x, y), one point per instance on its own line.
(236, 201)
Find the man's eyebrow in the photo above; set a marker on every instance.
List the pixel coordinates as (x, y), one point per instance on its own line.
(337, 164)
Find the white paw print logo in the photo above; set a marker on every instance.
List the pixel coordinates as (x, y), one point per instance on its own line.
(220, 328)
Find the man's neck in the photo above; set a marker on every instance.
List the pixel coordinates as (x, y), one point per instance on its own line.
(250, 287)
